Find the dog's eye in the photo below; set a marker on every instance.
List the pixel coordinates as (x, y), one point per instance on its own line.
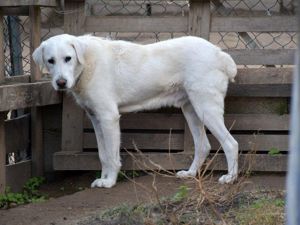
(51, 61)
(68, 58)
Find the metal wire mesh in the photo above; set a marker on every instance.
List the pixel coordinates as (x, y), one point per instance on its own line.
(253, 40)
(17, 39)
(139, 8)
(16, 48)
(16, 29)
(225, 40)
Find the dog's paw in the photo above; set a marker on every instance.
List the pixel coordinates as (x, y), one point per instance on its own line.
(186, 174)
(105, 183)
(227, 179)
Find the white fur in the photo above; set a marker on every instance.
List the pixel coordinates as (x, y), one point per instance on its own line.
(111, 77)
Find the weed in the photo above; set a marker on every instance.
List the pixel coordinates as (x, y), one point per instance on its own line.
(124, 175)
(29, 194)
(274, 151)
(181, 194)
(262, 211)
(98, 174)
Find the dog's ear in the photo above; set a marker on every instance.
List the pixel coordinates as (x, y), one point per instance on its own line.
(38, 58)
(80, 48)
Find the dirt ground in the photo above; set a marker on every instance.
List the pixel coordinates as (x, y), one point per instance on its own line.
(65, 208)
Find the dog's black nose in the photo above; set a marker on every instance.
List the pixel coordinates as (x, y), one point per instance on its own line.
(61, 83)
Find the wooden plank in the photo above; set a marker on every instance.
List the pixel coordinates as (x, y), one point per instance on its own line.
(2, 114)
(35, 39)
(253, 162)
(37, 153)
(257, 105)
(199, 18)
(16, 11)
(17, 79)
(52, 134)
(72, 118)
(247, 142)
(95, 7)
(10, 3)
(28, 95)
(136, 24)
(72, 125)
(143, 141)
(17, 135)
(90, 161)
(199, 25)
(258, 122)
(2, 153)
(264, 76)
(259, 90)
(250, 122)
(17, 175)
(73, 22)
(147, 121)
(36, 113)
(2, 57)
(254, 24)
(255, 143)
(188, 142)
(262, 56)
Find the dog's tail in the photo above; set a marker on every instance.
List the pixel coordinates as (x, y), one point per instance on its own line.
(229, 66)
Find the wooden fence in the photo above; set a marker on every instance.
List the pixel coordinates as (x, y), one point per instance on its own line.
(21, 92)
(257, 106)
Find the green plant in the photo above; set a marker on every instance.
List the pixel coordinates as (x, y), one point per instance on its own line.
(98, 174)
(274, 151)
(29, 194)
(123, 175)
(263, 211)
(181, 194)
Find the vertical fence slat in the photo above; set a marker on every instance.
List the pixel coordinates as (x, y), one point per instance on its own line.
(2, 114)
(2, 152)
(2, 58)
(72, 121)
(36, 113)
(199, 25)
(199, 18)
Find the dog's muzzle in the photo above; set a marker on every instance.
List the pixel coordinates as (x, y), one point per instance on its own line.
(61, 83)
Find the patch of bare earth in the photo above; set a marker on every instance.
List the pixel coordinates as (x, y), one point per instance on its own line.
(154, 199)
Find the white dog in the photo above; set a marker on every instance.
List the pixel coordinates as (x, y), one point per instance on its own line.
(111, 77)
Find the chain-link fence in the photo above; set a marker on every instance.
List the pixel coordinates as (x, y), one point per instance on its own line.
(140, 8)
(16, 31)
(253, 40)
(225, 40)
(17, 39)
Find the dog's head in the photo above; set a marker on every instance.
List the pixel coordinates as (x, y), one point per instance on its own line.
(63, 57)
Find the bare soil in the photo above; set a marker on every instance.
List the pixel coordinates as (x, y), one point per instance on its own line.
(66, 207)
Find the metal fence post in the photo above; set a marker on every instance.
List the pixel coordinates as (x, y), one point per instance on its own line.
(293, 181)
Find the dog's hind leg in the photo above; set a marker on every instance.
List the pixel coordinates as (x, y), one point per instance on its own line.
(108, 139)
(208, 103)
(201, 142)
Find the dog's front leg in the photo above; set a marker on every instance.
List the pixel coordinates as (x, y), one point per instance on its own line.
(107, 131)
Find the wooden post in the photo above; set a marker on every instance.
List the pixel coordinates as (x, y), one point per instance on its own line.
(2, 114)
(2, 152)
(199, 18)
(199, 25)
(35, 39)
(36, 113)
(2, 60)
(72, 118)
